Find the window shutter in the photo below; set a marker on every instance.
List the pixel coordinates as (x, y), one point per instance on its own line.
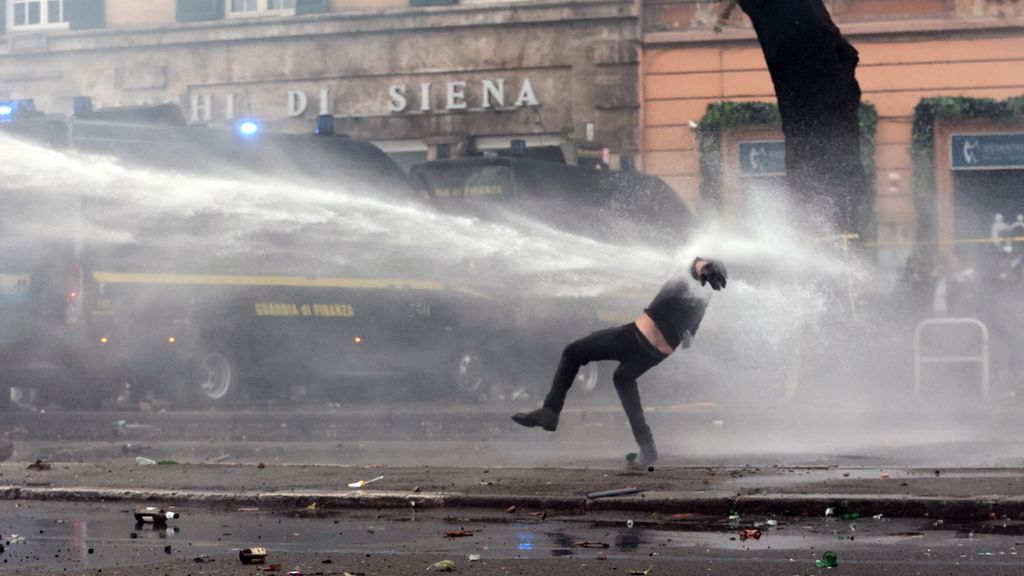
(199, 10)
(85, 14)
(310, 7)
(432, 2)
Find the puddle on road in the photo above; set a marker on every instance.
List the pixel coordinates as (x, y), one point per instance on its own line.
(62, 535)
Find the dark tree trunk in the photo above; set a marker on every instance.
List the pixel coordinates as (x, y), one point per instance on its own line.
(812, 67)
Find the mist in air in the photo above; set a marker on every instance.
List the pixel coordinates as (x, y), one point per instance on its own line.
(795, 329)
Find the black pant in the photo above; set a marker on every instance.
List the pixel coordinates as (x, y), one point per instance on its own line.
(635, 355)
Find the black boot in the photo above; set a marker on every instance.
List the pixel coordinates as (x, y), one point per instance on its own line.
(648, 453)
(546, 418)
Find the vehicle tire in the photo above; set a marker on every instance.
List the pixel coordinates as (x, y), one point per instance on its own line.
(471, 375)
(211, 379)
(5, 399)
(588, 379)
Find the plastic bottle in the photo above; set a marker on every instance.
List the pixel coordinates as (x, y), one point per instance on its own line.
(152, 515)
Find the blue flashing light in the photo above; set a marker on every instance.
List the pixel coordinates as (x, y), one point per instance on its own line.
(248, 128)
(12, 109)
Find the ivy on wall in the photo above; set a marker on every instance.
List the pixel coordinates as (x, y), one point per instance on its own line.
(722, 116)
(922, 143)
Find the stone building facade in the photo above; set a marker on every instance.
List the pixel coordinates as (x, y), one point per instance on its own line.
(415, 76)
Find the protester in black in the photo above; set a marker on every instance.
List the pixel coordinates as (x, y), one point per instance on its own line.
(671, 320)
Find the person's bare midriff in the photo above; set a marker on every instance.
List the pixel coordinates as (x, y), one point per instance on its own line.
(653, 335)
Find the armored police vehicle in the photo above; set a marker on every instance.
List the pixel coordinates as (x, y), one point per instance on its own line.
(173, 303)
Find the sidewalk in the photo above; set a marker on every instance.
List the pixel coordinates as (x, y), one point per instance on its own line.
(959, 494)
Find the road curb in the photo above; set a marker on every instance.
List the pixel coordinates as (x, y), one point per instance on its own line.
(888, 505)
(811, 505)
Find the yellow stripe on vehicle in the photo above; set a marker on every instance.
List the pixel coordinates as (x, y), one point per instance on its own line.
(225, 280)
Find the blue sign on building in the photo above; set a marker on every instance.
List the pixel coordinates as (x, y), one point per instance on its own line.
(763, 158)
(987, 151)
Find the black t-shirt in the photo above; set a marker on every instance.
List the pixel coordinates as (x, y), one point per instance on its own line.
(678, 309)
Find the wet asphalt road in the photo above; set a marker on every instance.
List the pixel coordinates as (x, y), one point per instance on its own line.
(49, 538)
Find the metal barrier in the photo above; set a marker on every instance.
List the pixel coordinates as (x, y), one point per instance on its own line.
(982, 359)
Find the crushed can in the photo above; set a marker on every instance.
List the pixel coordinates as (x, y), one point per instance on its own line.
(252, 555)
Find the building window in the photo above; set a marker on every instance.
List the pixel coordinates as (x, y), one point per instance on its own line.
(255, 7)
(26, 14)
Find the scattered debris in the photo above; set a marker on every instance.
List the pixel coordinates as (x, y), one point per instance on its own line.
(734, 516)
(40, 465)
(602, 556)
(830, 512)
(460, 533)
(886, 476)
(295, 573)
(143, 461)
(629, 523)
(681, 516)
(166, 463)
(640, 572)
(129, 448)
(272, 568)
(542, 515)
(511, 509)
(416, 490)
(261, 466)
(252, 555)
(361, 483)
(153, 515)
(828, 560)
(591, 544)
(615, 492)
(202, 559)
(474, 557)
(877, 516)
(168, 549)
(937, 473)
(353, 574)
(750, 533)
(311, 507)
(486, 483)
(444, 566)
(220, 458)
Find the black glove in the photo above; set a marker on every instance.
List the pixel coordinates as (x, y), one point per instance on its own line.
(714, 273)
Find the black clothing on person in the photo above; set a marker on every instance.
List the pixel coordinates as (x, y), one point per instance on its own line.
(636, 355)
(677, 311)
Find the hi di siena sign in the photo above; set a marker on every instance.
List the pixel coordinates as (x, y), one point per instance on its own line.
(460, 95)
(496, 94)
(987, 151)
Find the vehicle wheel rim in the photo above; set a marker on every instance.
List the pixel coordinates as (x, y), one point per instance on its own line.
(587, 378)
(216, 376)
(469, 373)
